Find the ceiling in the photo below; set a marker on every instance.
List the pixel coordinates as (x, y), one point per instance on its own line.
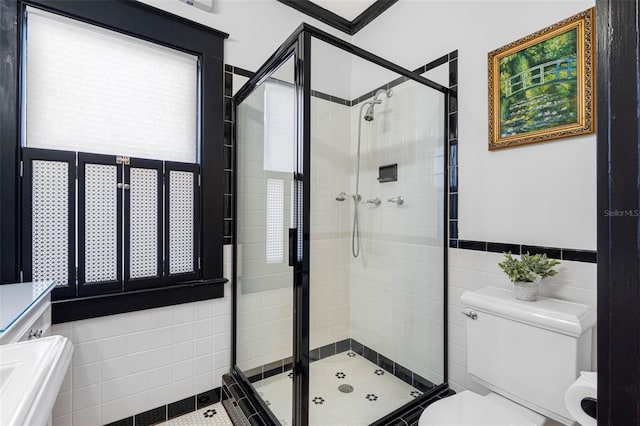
(349, 16)
(348, 9)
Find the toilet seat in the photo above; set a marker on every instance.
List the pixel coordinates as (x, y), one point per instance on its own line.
(470, 409)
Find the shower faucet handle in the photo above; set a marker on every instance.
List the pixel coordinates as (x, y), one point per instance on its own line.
(377, 201)
(399, 200)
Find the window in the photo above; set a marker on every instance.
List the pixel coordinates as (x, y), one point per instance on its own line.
(142, 232)
(279, 143)
(95, 91)
(279, 126)
(88, 89)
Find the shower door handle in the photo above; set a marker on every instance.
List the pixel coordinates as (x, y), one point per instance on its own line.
(293, 246)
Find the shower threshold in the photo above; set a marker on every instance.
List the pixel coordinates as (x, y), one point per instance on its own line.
(373, 393)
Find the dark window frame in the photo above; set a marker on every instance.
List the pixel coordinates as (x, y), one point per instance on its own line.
(150, 24)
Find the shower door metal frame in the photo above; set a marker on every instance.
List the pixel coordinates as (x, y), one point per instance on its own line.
(298, 46)
(290, 48)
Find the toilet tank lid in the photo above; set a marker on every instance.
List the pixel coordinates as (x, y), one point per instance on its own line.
(569, 318)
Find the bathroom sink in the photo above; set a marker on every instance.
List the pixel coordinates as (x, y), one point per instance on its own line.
(31, 374)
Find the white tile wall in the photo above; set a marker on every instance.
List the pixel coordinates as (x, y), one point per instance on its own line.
(128, 363)
(330, 222)
(471, 270)
(396, 285)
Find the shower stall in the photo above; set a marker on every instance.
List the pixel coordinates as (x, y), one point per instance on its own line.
(339, 251)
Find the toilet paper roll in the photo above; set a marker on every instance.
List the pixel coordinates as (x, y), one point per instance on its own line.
(585, 387)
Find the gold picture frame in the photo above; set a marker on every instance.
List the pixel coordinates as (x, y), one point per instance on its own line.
(541, 87)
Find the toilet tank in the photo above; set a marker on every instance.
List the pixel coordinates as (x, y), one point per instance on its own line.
(529, 352)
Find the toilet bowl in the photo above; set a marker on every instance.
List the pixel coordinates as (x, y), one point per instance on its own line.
(470, 409)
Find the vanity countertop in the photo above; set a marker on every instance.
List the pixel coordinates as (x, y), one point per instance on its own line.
(17, 299)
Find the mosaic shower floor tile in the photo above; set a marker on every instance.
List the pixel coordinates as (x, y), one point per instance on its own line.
(346, 389)
(212, 415)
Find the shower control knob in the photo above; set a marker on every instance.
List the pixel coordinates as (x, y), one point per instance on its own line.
(399, 200)
(376, 201)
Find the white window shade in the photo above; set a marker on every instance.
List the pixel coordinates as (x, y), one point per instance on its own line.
(93, 90)
(279, 126)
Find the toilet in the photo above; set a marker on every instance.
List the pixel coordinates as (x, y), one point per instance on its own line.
(526, 353)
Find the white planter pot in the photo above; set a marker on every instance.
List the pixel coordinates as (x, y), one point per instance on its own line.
(526, 290)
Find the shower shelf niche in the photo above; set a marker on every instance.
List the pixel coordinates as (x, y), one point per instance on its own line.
(388, 173)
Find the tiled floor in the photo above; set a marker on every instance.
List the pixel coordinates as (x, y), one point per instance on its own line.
(375, 392)
(211, 415)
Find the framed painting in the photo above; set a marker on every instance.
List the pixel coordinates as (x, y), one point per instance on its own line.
(541, 87)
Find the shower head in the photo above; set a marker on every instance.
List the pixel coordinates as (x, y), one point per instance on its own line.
(368, 115)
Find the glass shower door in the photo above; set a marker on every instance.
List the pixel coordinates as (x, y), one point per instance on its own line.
(266, 153)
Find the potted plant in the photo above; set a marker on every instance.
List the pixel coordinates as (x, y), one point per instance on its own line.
(525, 273)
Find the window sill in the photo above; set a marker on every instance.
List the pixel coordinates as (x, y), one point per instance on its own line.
(119, 303)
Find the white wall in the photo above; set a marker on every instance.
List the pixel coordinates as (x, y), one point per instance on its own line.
(129, 363)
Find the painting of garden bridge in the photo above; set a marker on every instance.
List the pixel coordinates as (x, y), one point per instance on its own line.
(538, 86)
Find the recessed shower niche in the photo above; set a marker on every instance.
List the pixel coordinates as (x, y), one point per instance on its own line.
(337, 286)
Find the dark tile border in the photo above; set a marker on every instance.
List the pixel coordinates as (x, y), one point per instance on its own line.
(151, 417)
(587, 256)
(124, 422)
(170, 411)
(401, 372)
(238, 405)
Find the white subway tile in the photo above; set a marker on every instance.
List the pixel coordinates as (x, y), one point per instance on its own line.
(138, 321)
(159, 337)
(86, 397)
(182, 389)
(139, 361)
(160, 377)
(160, 357)
(114, 368)
(115, 410)
(161, 317)
(114, 389)
(86, 375)
(182, 332)
(99, 328)
(183, 313)
(113, 347)
(86, 353)
(203, 310)
(203, 383)
(222, 324)
(203, 365)
(65, 420)
(183, 351)
(138, 342)
(88, 416)
(221, 359)
(203, 328)
(183, 370)
(458, 335)
(62, 406)
(222, 341)
(67, 381)
(161, 395)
